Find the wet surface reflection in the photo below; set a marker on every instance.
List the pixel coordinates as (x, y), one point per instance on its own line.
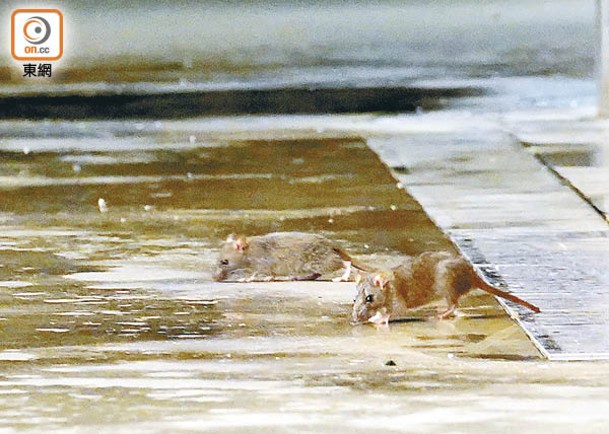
(582, 166)
(102, 311)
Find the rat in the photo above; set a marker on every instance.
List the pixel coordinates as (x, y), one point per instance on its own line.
(418, 281)
(291, 255)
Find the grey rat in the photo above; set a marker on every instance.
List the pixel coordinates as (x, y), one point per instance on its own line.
(420, 280)
(291, 255)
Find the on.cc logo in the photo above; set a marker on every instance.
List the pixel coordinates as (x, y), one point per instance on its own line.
(36, 34)
(37, 30)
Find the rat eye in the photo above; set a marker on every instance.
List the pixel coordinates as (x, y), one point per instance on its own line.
(224, 262)
(369, 298)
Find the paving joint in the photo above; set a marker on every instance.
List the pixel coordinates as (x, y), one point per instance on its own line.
(521, 226)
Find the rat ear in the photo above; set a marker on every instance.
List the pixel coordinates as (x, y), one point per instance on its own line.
(379, 281)
(240, 244)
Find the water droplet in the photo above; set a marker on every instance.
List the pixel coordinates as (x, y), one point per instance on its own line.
(102, 205)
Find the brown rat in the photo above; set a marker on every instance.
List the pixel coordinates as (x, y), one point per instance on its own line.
(420, 280)
(291, 255)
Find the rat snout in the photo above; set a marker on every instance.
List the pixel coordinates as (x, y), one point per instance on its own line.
(219, 275)
(354, 318)
(356, 322)
(359, 315)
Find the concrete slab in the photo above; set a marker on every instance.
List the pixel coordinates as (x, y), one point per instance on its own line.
(521, 226)
(575, 148)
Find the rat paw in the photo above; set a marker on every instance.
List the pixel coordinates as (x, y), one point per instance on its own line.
(252, 278)
(446, 315)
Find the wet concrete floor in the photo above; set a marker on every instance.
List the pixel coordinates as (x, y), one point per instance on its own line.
(572, 144)
(110, 321)
(538, 231)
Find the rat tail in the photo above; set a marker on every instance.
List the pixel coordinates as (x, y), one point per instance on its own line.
(357, 264)
(480, 283)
